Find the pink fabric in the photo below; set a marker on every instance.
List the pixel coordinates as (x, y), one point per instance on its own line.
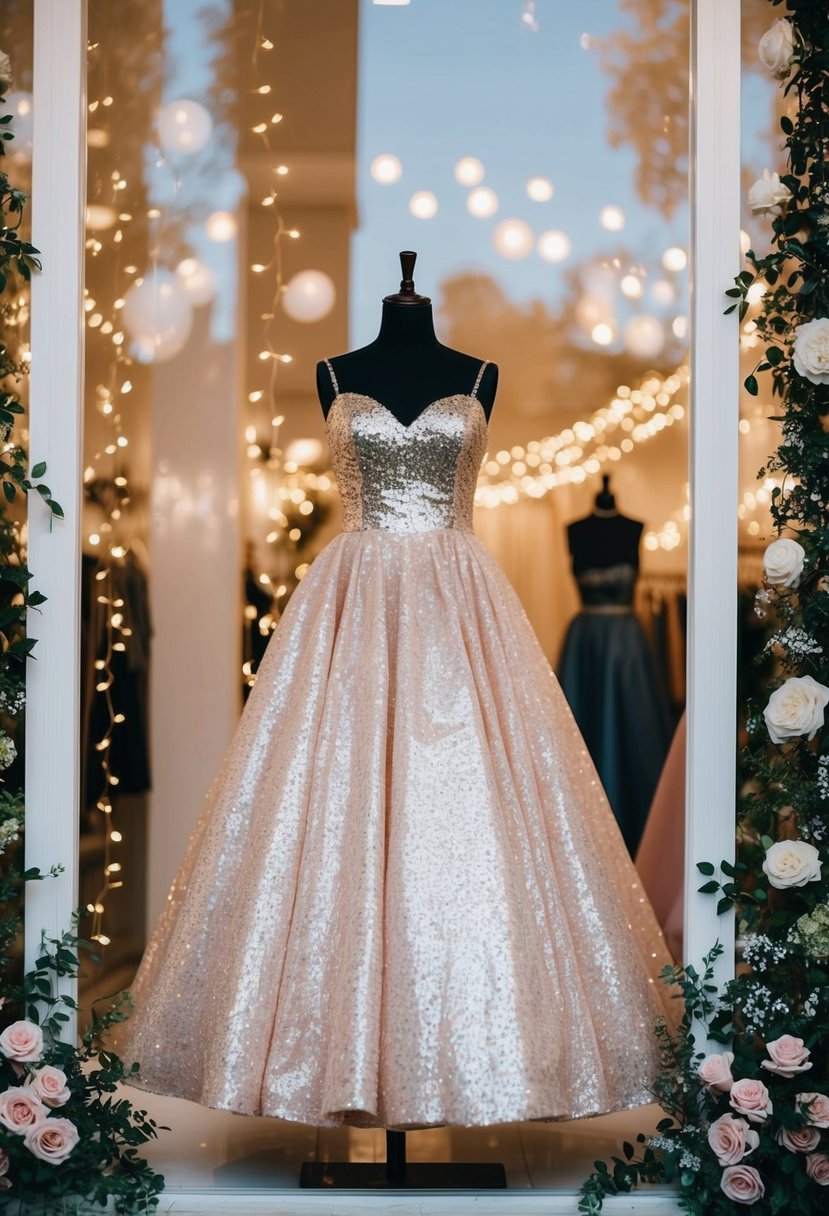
(660, 858)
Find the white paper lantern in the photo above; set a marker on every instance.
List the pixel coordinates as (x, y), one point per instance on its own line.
(540, 189)
(554, 246)
(513, 239)
(158, 317)
(221, 226)
(675, 258)
(19, 104)
(469, 171)
(309, 296)
(482, 203)
(386, 169)
(184, 127)
(644, 336)
(198, 280)
(612, 218)
(423, 205)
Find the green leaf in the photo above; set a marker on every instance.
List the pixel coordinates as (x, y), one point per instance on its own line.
(708, 888)
(751, 385)
(39, 469)
(705, 867)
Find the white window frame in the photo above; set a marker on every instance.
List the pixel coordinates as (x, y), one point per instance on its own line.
(57, 337)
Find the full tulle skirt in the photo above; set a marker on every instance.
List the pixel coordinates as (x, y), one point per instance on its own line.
(406, 901)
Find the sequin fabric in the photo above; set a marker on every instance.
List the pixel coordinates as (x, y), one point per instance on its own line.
(405, 901)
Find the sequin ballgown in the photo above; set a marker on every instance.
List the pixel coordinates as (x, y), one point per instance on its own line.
(406, 901)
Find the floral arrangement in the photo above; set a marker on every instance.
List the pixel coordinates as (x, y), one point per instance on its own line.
(748, 1126)
(66, 1144)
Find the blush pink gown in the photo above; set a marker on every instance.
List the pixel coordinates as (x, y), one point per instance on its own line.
(406, 901)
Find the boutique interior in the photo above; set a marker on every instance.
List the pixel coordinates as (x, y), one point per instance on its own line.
(255, 168)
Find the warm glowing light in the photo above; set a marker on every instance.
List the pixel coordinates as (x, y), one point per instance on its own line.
(482, 202)
(631, 286)
(745, 241)
(469, 171)
(644, 336)
(220, 226)
(612, 218)
(679, 327)
(198, 280)
(540, 189)
(423, 205)
(513, 239)
(662, 292)
(309, 296)
(603, 333)
(184, 127)
(675, 258)
(554, 246)
(386, 169)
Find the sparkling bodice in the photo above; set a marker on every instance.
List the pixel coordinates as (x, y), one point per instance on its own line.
(607, 586)
(407, 478)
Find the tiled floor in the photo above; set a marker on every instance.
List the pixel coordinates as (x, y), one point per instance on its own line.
(214, 1161)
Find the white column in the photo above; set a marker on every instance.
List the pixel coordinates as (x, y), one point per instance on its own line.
(56, 430)
(712, 607)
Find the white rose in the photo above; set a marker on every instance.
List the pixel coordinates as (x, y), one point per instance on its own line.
(810, 352)
(767, 192)
(776, 48)
(783, 562)
(6, 77)
(796, 708)
(791, 863)
(22, 1041)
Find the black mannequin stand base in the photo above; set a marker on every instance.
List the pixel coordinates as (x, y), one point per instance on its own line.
(397, 1173)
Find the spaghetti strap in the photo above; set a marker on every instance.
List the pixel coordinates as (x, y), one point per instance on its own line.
(478, 381)
(333, 377)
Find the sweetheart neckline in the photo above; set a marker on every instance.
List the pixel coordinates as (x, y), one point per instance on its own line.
(415, 420)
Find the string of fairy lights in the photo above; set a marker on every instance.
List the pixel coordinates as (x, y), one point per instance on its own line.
(106, 483)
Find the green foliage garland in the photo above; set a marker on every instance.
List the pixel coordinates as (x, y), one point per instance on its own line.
(67, 1142)
(749, 1126)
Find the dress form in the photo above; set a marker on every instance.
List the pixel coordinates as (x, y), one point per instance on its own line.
(605, 537)
(406, 368)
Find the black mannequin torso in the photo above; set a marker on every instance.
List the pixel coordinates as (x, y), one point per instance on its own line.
(599, 541)
(406, 368)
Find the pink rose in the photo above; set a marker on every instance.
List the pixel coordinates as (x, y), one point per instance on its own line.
(742, 1183)
(788, 1056)
(52, 1140)
(731, 1139)
(22, 1041)
(21, 1109)
(50, 1086)
(815, 1107)
(817, 1167)
(715, 1072)
(751, 1098)
(803, 1140)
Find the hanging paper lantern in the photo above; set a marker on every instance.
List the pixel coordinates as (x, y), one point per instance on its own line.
(386, 169)
(158, 317)
(309, 296)
(469, 171)
(198, 280)
(482, 202)
(184, 127)
(513, 239)
(554, 246)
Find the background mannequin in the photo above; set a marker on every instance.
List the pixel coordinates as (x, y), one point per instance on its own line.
(406, 368)
(607, 669)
